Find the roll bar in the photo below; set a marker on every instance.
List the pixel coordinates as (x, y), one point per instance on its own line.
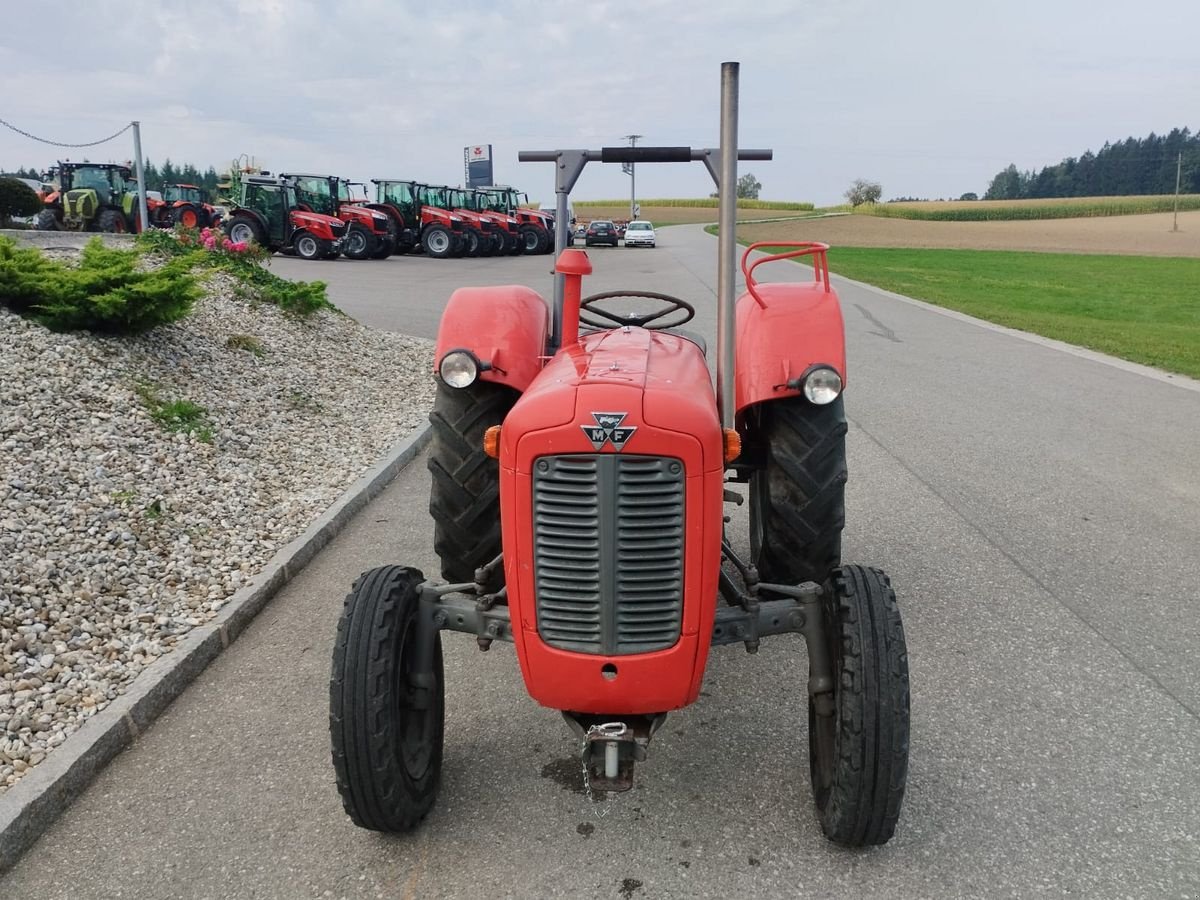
(721, 163)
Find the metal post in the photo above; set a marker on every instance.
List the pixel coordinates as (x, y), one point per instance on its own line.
(143, 211)
(630, 169)
(1178, 172)
(727, 240)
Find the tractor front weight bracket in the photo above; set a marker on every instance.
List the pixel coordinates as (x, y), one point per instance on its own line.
(454, 607)
(798, 611)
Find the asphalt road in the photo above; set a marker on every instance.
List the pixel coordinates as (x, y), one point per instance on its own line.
(1039, 512)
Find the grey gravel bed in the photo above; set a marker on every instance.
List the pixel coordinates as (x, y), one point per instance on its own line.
(116, 536)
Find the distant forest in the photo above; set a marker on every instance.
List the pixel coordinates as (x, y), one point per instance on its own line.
(156, 177)
(1131, 166)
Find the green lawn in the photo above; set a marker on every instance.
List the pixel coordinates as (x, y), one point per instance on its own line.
(1140, 308)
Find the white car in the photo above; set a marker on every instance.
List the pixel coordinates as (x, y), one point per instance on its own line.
(639, 233)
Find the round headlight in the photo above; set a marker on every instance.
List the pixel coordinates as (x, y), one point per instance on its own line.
(459, 369)
(822, 386)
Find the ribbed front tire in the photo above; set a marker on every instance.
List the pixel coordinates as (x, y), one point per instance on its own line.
(858, 757)
(386, 729)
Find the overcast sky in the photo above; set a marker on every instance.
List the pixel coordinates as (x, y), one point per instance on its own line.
(929, 98)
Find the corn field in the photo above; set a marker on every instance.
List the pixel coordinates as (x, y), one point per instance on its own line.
(1050, 208)
(698, 203)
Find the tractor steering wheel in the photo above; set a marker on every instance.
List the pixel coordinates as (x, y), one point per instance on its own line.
(639, 320)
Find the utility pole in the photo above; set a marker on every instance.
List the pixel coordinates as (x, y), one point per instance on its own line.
(627, 168)
(1178, 172)
(143, 213)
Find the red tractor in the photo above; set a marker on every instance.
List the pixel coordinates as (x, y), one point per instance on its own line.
(266, 211)
(419, 225)
(368, 234)
(580, 458)
(185, 204)
(536, 228)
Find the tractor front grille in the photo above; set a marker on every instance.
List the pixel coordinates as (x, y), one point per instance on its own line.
(608, 552)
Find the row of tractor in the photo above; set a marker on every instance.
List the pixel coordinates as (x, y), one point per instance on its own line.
(311, 216)
(103, 197)
(325, 216)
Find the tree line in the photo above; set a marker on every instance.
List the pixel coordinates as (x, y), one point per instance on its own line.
(156, 177)
(1129, 167)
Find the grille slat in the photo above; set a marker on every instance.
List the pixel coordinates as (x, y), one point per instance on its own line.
(608, 552)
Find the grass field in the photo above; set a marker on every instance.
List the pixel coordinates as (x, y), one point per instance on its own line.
(1142, 309)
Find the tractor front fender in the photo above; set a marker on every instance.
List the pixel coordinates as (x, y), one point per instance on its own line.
(781, 335)
(506, 327)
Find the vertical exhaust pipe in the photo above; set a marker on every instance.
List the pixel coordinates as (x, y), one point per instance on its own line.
(727, 242)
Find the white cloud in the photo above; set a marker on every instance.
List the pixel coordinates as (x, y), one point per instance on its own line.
(931, 100)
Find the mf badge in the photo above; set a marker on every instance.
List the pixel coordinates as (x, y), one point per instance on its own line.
(608, 429)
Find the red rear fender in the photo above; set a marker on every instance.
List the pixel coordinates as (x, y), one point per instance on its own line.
(794, 327)
(504, 326)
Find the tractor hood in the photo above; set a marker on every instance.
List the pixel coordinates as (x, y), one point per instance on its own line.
(302, 217)
(80, 204)
(658, 379)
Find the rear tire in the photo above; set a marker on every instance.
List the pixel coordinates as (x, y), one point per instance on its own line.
(387, 749)
(437, 242)
(464, 499)
(358, 242)
(858, 757)
(187, 216)
(245, 229)
(797, 497)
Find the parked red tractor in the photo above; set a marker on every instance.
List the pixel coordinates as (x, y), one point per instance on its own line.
(579, 483)
(267, 212)
(536, 229)
(367, 233)
(184, 204)
(420, 225)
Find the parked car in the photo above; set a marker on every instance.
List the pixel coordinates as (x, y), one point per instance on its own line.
(600, 231)
(639, 233)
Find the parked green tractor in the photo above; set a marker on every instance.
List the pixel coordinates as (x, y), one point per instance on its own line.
(91, 197)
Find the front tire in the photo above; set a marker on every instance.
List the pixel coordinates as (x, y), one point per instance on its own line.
(464, 498)
(797, 496)
(46, 221)
(112, 221)
(858, 756)
(436, 242)
(309, 246)
(358, 242)
(386, 723)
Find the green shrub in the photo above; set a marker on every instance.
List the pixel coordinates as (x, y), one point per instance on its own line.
(105, 292)
(212, 249)
(17, 199)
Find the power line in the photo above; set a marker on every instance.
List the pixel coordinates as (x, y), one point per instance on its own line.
(34, 137)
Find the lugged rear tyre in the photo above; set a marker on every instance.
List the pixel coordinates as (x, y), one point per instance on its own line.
(797, 497)
(464, 499)
(858, 757)
(386, 731)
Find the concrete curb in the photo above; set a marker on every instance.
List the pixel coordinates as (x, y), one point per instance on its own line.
(34, 802)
